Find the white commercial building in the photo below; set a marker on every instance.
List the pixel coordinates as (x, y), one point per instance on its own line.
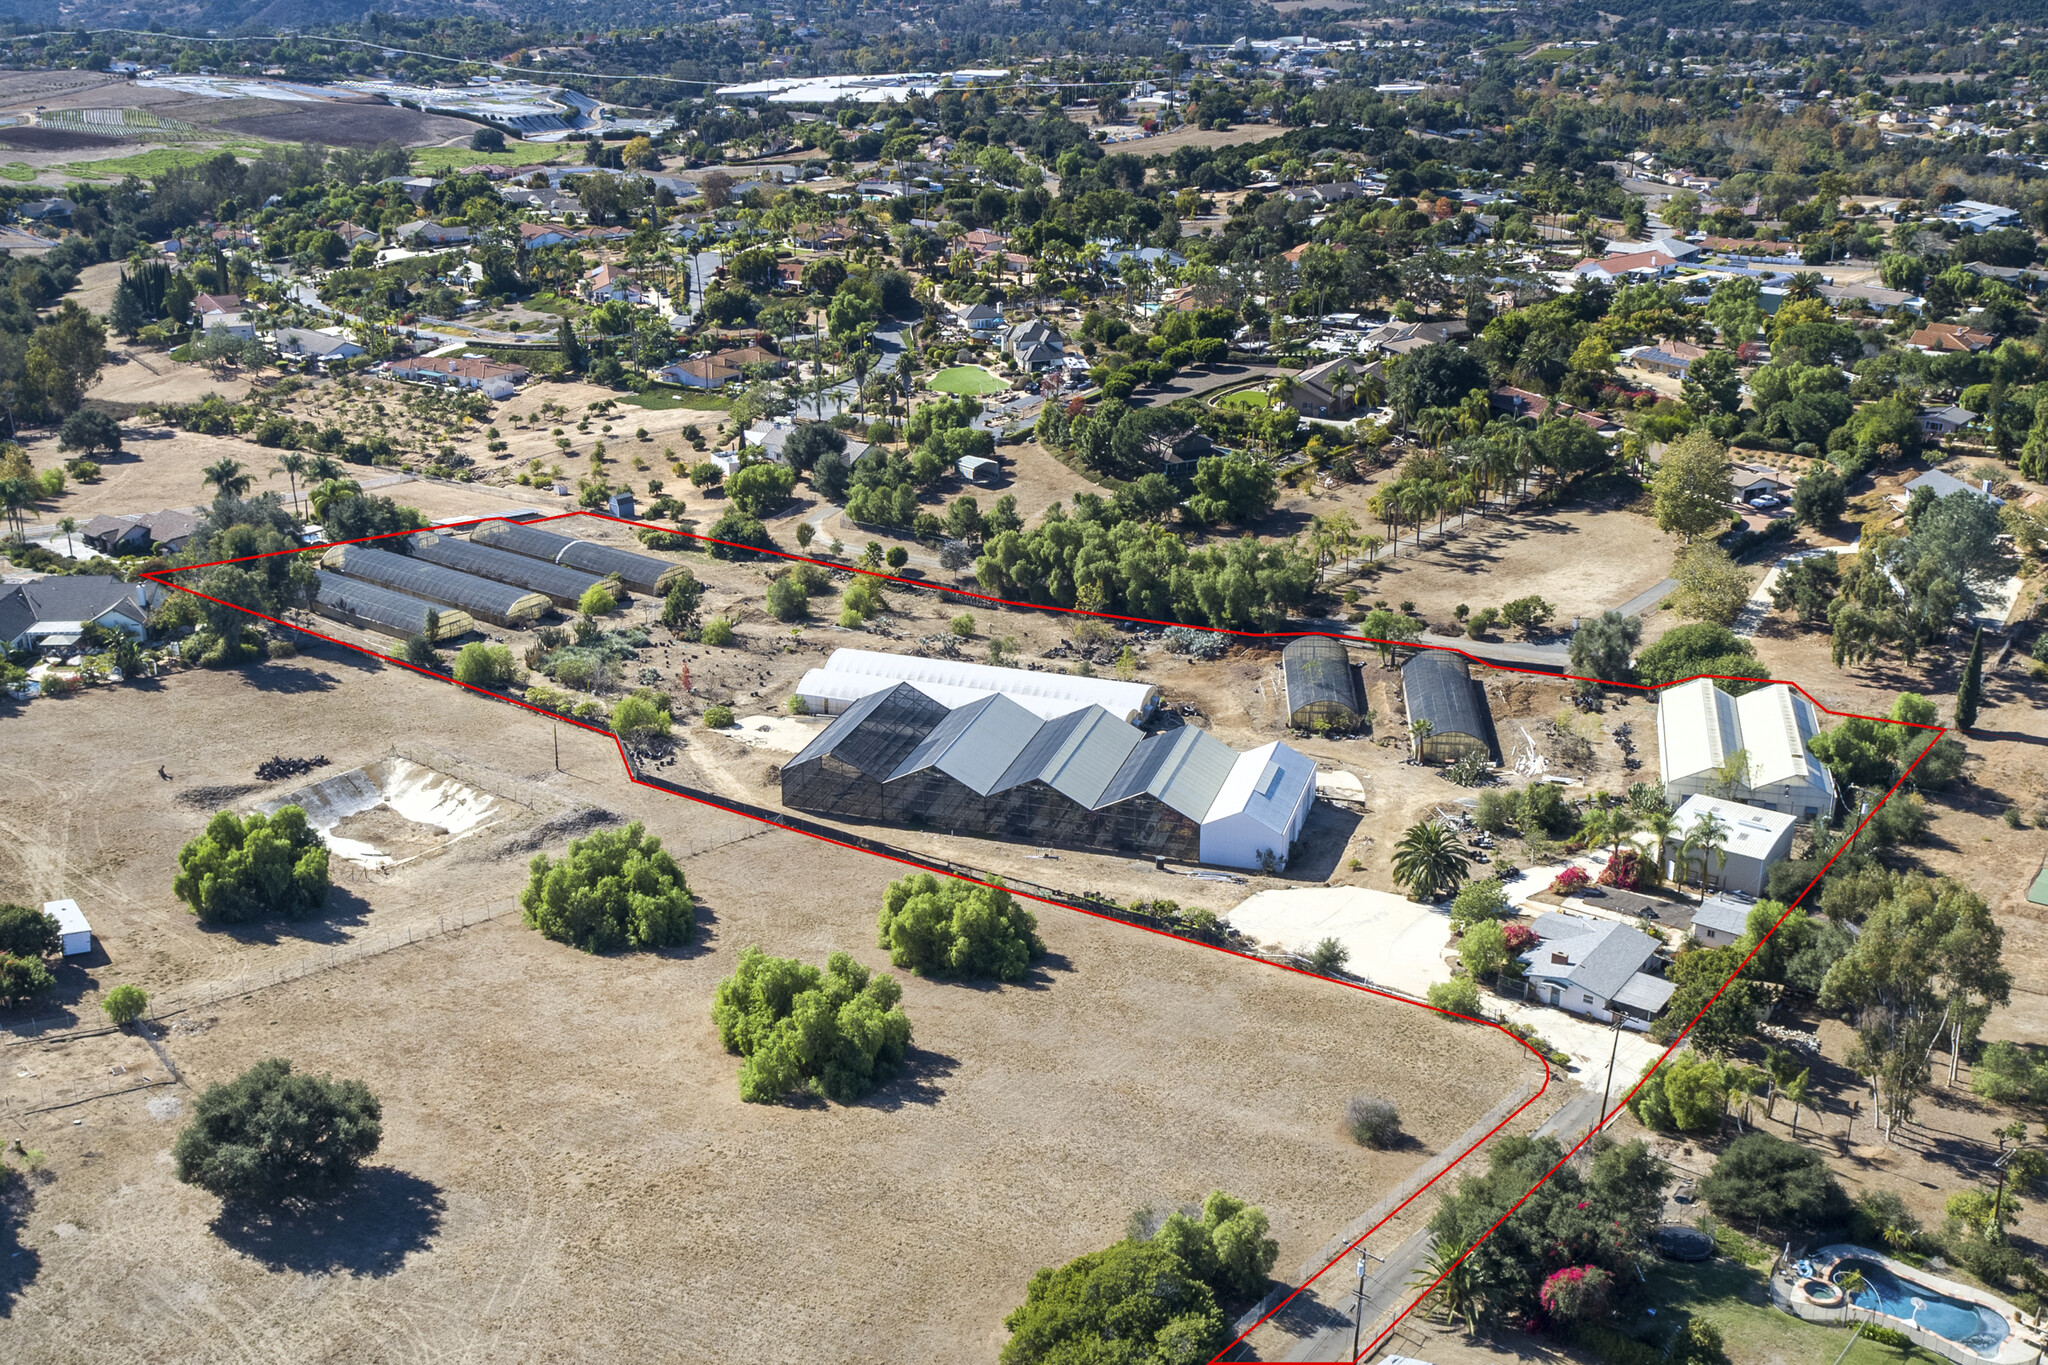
(1260, 807)
(1700, 729)
(851, 674)
(1740, 858)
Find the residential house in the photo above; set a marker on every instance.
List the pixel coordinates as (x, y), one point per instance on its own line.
(1513, 402)
(1740, 858)
(1603, 426)
(167, 531)
(1113, 257)
(312, 345)
(1720, 920)
(1751, 748)
(983, 242)
(772, 433)
(50, 614)
(610, 283)
(353, 236)
(980, 317)
(1675, 247)
(537, 235)
(1670, 358)
(53, 210)
(1752, 482)
(1179, 456)
(789, 276)
(1950, 336)
(490, 377)
(1034, 345)
(1400, 338)
(1943, 423)
(414, 186)
(1947, 485)
(236, 325)
(1636, 265)
(1973, 215)
(1322, 390)
(702, 372)
(425, 232)
(1596, 968)
(206, 305)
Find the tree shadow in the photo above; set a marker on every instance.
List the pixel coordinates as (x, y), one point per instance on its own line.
(288, 681)
(916, 1084)
(1306, 1315)
(19, 1265)
(367, 1231)
(703, 941)
(1037, 979)
(343, 908)
(329, 652)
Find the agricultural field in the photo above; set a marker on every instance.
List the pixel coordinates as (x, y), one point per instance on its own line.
(1221, 1074)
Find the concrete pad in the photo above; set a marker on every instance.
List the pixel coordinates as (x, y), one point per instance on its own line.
(1394, 941)
(777, 734)
(1586, 1040)
(1340, 786)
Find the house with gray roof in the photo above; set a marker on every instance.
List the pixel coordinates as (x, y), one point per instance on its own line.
(1596, 968)
(1946, 485)
(1721, 920)
(304, 341)
(138, 535)
(50, 614)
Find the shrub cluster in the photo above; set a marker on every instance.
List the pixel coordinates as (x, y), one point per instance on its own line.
(243, 869)
(613, 889)
(955, 928)
(838, 1033)
(272, 1134)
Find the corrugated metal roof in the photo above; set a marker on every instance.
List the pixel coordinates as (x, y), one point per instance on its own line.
(974, 745)
(499, 603)
(1696, 729)
(1184, 768)
(1077, 755)
(1266, 784)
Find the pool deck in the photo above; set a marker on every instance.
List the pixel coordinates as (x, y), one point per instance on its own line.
(2022, 1345)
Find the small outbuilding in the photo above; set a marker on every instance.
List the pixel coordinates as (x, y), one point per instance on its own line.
(979, 469)
(1322, 686)
(1444, 699)
(71, 926)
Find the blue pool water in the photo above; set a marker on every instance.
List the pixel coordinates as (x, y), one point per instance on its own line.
(1973, 1326)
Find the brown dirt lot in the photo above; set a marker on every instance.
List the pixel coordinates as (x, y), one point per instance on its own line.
(554, 1120)
(338, 124)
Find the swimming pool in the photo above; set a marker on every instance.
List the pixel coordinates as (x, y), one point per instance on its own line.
(1967, 1324)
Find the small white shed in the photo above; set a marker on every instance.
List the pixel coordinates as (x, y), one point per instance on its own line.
(71, 926)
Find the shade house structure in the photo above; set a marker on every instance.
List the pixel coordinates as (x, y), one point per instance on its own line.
(1322, 686)
(1084, 779)
(852, 674)
(1438, 688)
(369, 607)
(499, 603)
(563, 587)
(641, 573)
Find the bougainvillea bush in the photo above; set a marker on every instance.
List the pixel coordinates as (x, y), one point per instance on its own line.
(1577, 1293)
(1629, 870)
(1570, 880)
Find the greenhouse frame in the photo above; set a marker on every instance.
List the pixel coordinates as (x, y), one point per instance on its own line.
(1085, 779)
(851, 674)
(564, 586)
(641, 573)
(1322, 686)
(1437, 686)
(499, 603)
(370, 607)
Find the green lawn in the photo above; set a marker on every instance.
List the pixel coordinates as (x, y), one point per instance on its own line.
(1255, 400)
(18, 170)
(1735, 1299)
(665, 400)
(440, 160)
(967, 379)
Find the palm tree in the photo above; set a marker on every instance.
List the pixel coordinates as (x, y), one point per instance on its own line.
(1805, 284)
(328, 492)
(1709, 834)
(1427, 861)
(292, 464)
(1456, 1292)
(225, 474)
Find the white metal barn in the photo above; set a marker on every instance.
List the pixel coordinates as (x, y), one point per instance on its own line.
(71, 926)
(1700, 727)
(1261, 807)
(1755, 840)
(851, 674)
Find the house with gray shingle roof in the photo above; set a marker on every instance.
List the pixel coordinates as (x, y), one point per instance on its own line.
(51, 613)
(1595, 968)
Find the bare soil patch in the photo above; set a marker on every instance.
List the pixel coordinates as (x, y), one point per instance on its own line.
(34, 139)
(340, 124)
(550, 1115)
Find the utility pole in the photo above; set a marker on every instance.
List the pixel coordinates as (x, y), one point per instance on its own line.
(1358, 1314)
(558, 746)
(1613, 1052)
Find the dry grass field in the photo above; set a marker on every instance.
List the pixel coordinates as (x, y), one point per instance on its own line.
(556, 1122)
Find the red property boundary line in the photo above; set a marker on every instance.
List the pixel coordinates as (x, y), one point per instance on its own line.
(165, 578)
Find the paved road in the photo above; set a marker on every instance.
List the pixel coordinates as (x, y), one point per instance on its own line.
(1505, 651)
(1389, 1287)
(1648, 598)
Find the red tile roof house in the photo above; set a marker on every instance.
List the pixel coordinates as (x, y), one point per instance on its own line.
(1949, 336)
(705, 372)
(216, 303)
(1651, 263)
(609, 282)
(1518, 402)
(461, 371)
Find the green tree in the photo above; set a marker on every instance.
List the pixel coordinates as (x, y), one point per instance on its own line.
(1228, 1248)
(758, 489)
(485, 665)
(613, 889)
(1427, 861)
(642, 718)
(1766, 1182)
(1820, 498)
(1603, 645)
(1970, 690)
(1730, 1022)
(597, 601)
(1232, 488)
(272, 1134)
(1484, 949)
(1483, 899)
(1808, 587)
(1689, 1093)
(89, 430)
(953, 928)
(1711, 586)
(837, 1033)
(679, 607)
(1705, 649)
(22, 979)
(1712, 384)
(27, 932)
(1135, 1303)
(125, 1004)
(1692, 486)
(245, 868)
(787, 599)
